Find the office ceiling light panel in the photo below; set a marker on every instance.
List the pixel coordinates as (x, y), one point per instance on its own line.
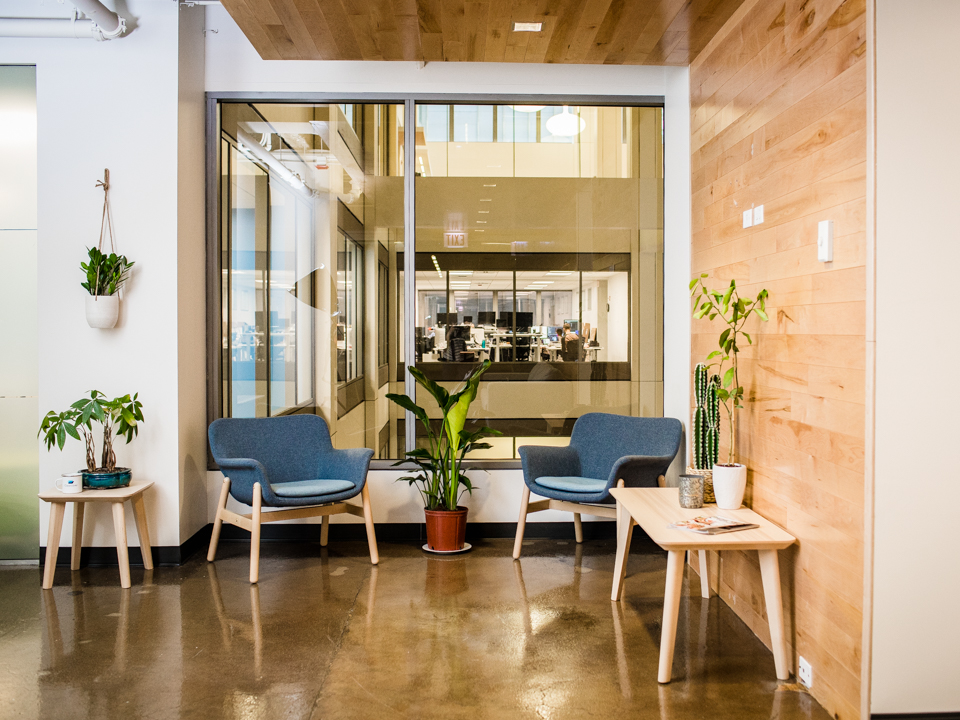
(527, 27)
(647, 32)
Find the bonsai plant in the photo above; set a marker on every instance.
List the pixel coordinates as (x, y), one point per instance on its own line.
(119, 417)
(730, 478)
(440, 479)
(105, 275)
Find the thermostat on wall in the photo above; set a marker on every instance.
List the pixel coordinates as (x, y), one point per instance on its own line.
(825, 241)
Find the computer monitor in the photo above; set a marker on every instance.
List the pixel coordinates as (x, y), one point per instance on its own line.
(468, 319)
(574, 324)
(486, 317)
(505, 320)
(524, 319)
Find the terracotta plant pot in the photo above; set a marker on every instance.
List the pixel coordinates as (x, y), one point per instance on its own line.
(446, 529)
(729, 484)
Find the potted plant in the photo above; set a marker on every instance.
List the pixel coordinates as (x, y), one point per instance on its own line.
(706, 428)
(120, 416)
(441, 480)
(105, 274)
(729, 478)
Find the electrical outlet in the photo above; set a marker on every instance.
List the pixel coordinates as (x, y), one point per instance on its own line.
(804, 672)
(748, 218)
(758, 215)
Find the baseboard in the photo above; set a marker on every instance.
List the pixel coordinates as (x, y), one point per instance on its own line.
(916, 716)
(172, 555)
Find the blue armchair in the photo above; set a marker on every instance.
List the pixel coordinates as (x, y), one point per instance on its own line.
(603, 450)
(286, 462)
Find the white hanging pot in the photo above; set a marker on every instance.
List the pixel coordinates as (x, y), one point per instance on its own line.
(729, 484)
(102, 311)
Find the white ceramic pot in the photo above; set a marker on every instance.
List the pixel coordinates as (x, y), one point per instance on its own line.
(729, 484)
(102, 311)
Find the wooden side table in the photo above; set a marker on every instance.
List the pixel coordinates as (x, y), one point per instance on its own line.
(654, 509)
(58, 502)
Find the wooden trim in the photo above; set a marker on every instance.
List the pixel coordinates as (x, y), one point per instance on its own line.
(870, 367)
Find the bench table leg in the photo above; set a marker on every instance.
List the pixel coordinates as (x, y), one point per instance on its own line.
(671, 610)
(770, 573)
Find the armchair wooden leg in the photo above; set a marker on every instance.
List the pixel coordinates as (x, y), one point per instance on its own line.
(577, 527)
(218, 521)
(324, 530)
(255, 534)
(368, 521)
(522, 521)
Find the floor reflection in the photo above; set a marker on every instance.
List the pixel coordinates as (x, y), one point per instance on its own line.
(328, 636)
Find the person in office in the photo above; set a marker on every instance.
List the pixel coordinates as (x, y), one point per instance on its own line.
(567, 335)
(456, 344)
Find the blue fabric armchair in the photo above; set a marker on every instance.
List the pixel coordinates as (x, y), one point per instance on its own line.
(603, 450)
(286, 462)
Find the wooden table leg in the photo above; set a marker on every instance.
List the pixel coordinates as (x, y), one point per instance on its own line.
(120, 530)
(770, 573)
(624, 535)
(143, 532)
(77, 544)
(704, 575)
(53, 542)
(671, 610)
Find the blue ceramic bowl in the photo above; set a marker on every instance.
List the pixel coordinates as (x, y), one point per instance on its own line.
(106, 480)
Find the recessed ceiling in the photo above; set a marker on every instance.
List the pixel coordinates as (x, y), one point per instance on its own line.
(613, 32)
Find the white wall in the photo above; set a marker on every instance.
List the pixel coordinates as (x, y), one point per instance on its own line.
(113, 105)
(916, 629)
(232, 65)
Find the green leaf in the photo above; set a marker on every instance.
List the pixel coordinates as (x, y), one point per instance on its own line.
(693, 283)
(761, 314)
(457, 417)
(747, 336)
(438, 392)
(728, 377)
(408, 404)
(713, 354)
(724, 335)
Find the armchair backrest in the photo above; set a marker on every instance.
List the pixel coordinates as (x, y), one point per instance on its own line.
(601, 439)
(289, 447)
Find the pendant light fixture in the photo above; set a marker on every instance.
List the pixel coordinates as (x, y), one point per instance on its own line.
(566, 124)
(528, 108)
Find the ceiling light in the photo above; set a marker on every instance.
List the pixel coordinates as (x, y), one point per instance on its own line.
(483, 212)
(494, 185)
(486, 200)
(461, 272)
(560, 272)
(528, 108)
(527, 27)
(566, 124)
(482, 222)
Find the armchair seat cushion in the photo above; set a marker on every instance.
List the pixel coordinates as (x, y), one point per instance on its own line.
(573, 484)
(311, 488)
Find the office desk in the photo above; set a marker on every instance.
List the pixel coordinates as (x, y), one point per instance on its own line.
(654, 509)
(497, 337)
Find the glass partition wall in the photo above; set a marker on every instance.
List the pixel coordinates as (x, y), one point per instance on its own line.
(538, 246)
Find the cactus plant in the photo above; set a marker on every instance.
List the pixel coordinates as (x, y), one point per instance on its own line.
(706, 419)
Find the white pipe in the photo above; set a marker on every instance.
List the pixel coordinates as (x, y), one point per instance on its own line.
(99, 23)
(47, 27)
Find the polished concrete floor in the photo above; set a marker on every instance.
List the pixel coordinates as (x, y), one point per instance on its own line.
(325, 635)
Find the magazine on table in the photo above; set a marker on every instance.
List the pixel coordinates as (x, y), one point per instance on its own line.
(713, 525)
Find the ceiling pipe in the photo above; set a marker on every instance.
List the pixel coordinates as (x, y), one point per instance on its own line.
(99, 23)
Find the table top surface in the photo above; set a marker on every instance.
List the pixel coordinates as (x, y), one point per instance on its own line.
(95, 495)
(655, 509)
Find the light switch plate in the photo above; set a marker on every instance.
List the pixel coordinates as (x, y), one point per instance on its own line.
(825, 241)
(748, 218)
(758, 215)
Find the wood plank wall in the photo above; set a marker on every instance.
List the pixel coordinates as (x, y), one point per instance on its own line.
(778, 103)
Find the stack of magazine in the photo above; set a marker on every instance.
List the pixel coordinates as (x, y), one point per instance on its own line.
(713, 525)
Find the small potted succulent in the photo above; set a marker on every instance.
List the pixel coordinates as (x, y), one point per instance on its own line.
(441, 480)
(729, 478)
(105, 275)
(120, 416)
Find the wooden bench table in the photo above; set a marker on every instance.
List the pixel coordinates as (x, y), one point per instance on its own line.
(118, 496)
(653, 509)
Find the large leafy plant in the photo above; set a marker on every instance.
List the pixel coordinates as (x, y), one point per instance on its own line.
(734, 311)
(119, 417)
(441, 480)
(105, 274)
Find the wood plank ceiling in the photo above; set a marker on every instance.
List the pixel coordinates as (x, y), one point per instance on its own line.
(614, 32)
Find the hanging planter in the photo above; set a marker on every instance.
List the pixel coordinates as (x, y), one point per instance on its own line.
(105, 273)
